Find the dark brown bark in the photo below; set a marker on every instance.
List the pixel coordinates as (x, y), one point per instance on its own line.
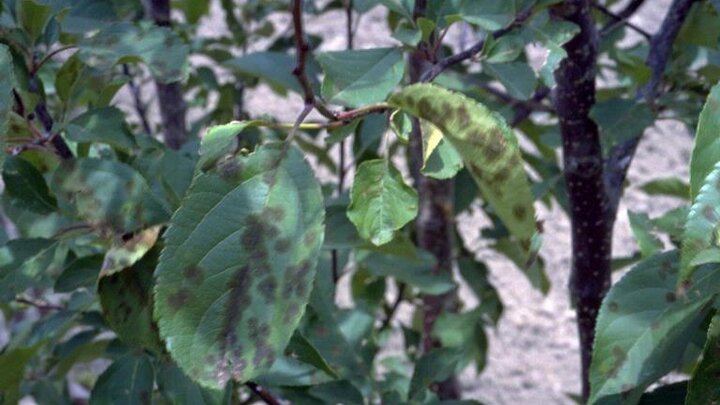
(170, 95)
(583, 168)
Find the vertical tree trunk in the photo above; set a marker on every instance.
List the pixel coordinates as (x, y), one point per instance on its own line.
(434, 232)
(170, 95)
(583, 169)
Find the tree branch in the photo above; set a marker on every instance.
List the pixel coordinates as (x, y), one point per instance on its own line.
(263, 394)
(173, 108)
(301, 50)
(661, 45)
(453, 60)
(619, 20)
(623, 15)
(583, 169)
(140, 106)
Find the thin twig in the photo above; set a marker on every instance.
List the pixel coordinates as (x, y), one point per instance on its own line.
(263, 394)
(42, 305)
(302, 49)
(47, 57)
(453, 60)
(619, 20)
(140, 107)
(623, 15)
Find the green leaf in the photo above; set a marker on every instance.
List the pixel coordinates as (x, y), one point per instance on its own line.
(443, 163)
(128, 380)
(644, 326)
(475, 275)
(238, 264)
(79, 272)
(620, 120)
(504, 49)
(12, 372)
(381, 202)
(107, 194)
(360, 77)
(702, 27)
(552, 35)
(194, 9)
(641, 227)
(88, 15)
(103, 125)
(275, 68)
(487, 146)
(490, 15)
(159, 47)
(518, 78)
(669, 186)
(68, 77)
(7, 81)
(126, 300)
(301, 349)
(418, 272)
(337, 392)
(703, 387)
(33, 17)
(26, 263)
(26, 187)
(435, 366)
(702, 229)
(179, 389)
(706, 150)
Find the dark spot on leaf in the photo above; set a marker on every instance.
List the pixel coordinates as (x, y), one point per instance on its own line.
(194, 274)
(613, 306)
(670, 297)
(267, 288)
(425, 107)
(709, 213)
(493, 151)
(179, 299)
(282, 245)
(309, 238)
(462, 116)
(276, 214)
(519, 212)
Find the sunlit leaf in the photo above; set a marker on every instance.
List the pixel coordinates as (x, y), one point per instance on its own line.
(359, 77)
(644, 326)
(706, 151)
(381, 202)
(238, 264)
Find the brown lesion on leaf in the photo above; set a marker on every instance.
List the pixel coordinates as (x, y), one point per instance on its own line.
(276, 214)
(267, 288)
(193, 274)
(462, 116)
(709, 213)
(613, 306)
(519, 212)
(670, 297)
(239, 288)
(309, 238)
(282, 245)
(619, 357)
(179, 299)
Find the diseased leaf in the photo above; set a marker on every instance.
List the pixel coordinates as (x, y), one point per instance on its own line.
(488, 148)
(104, 125)
(706, 150)
(702, 229)
(107, 194)
(7, 79)
(26, 187)
(380, 201)
(126, 301)
(128, 380)
(360, 77)
(703, 387)
(127, 250)
(159, 47)
(443, 163)
(238, 264)
(644, 326)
